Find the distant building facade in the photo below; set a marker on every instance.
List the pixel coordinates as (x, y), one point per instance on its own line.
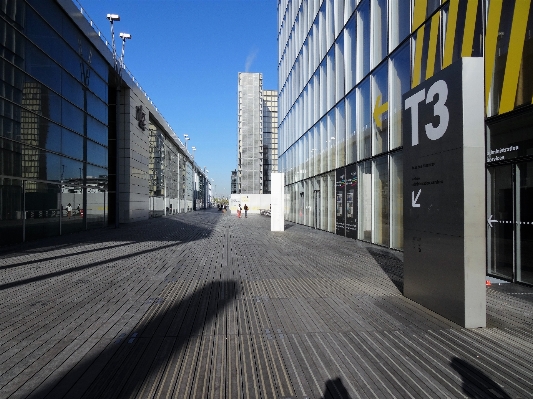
(73, 131)
(257, 134)
(234, 181)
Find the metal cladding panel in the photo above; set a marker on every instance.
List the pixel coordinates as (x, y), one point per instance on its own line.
(443, 160)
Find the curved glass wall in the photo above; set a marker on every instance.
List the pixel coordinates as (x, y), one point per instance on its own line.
(342, 81)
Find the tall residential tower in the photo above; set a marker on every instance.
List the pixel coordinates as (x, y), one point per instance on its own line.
(257, 134)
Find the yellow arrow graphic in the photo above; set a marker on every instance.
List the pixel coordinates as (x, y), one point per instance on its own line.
(379, 110)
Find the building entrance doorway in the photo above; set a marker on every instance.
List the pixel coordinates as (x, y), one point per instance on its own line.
(316, 204)
(510, 222)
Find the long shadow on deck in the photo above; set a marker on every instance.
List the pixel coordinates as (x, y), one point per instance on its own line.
(477, 384)
(122, 367)
(391, 265)
(335, 389)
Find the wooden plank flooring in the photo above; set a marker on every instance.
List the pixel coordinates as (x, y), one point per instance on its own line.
(205, 305)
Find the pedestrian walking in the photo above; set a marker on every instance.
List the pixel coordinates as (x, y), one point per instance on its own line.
(69, 210)
(239, 210)
(245, 210)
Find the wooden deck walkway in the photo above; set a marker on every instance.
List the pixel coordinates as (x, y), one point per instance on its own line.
(205, 305)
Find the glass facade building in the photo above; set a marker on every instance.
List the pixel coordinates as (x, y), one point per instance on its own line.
(343, 68)
(71, 157)
(54, 124)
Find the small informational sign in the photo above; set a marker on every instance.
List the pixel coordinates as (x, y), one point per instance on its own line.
(340, 210)
(444, 191)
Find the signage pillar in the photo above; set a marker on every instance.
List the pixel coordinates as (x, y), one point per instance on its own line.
(444, 191)
(277, 196)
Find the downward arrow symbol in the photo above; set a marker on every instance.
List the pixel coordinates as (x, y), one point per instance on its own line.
(414, 199)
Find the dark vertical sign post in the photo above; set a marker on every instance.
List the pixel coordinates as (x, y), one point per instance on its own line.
(444, 191)
(351, 201)
(340, 193)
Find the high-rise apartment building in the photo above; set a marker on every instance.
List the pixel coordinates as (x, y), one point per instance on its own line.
(257, 135)
(270, 137)
(344, 66)
(234, 181)
(250, 131)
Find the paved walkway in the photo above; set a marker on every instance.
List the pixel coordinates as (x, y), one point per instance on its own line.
(205, 305)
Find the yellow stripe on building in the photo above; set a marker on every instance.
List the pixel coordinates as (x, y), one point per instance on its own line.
(432, 50)
(417, 68)
(514, 55)
(450, 33)
(470, 27)
(491, 40)
(419, 14)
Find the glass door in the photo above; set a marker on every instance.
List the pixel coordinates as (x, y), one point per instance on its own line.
(500, 249)
(524, 222)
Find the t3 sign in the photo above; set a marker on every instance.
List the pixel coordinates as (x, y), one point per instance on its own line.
(444, 188)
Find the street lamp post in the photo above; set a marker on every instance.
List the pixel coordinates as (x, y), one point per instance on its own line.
(118, 66)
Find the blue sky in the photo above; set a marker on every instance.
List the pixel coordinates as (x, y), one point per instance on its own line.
(186, 54)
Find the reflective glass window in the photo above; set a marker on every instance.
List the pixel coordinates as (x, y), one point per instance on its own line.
(72, 144)
(340, 124)
(97, 131)
(339, 67)
(509, 76)
(331, 140)
(350, 43)
(323, 145)
(400, 83)
(365, 200)
(10, 158)
(72, 117)
(71, 89)
(71, 171)
(323, 88)
(98, 87)
(38, 31)
(349, 8)
(96, 108)
(379, 31)
(363, 39)
(9, 128)
(397, 200)
(11, 209)
(364, 112)
(427, 50)
(381, 212)
(51, 135)
(11, 40)
(49, 12)
(15, 11)
(41, 209)
(380, 113)
(331, 82)
(351, 128)
(42, 68)
(400, 24)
